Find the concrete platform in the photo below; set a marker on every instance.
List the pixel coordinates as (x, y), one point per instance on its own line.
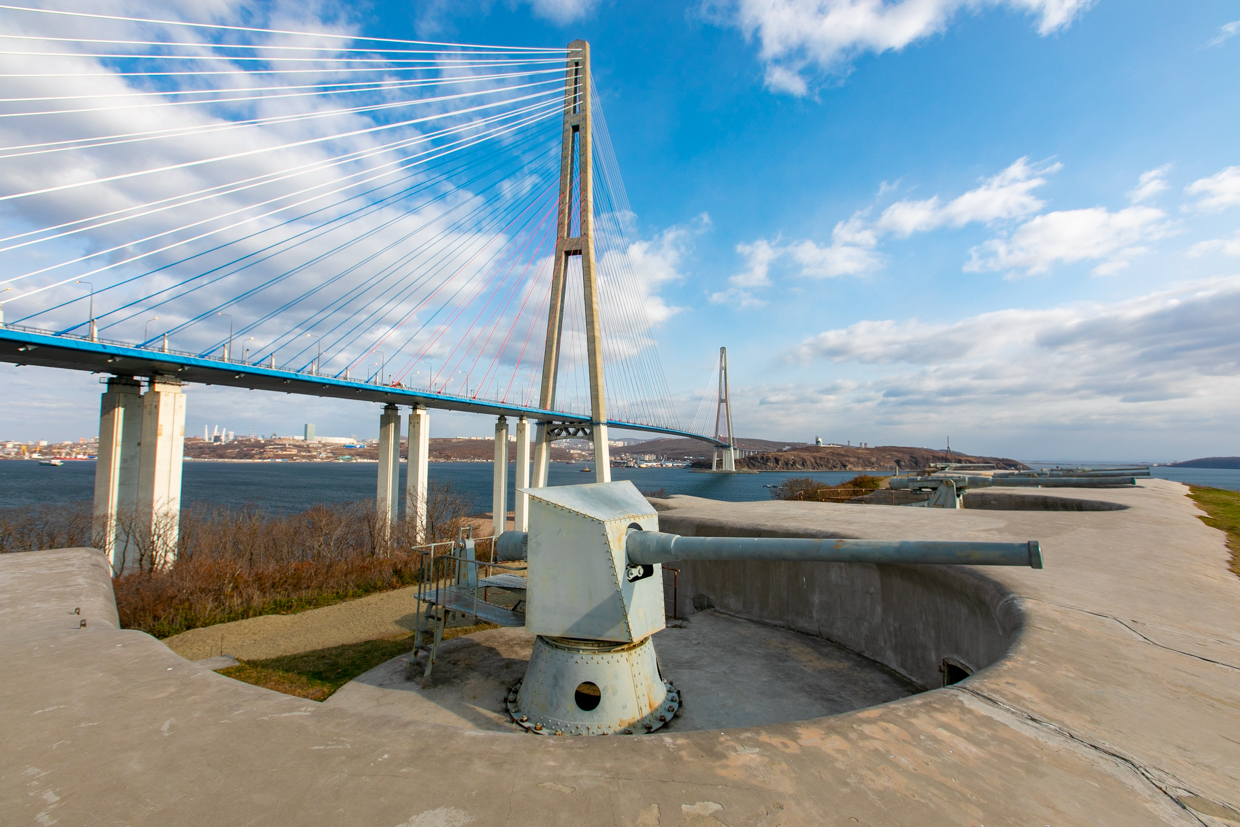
(1107, 692)
(730, 672)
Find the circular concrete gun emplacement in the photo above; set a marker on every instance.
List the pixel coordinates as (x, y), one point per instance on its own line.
(595, 599)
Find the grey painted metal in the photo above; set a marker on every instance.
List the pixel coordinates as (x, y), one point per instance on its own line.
(511, 546)
(574, 687)
(1077, 472)
(946, 495)
(595, 597)
(577, 568)
(963, 481)
(653, 547)
(28, 346)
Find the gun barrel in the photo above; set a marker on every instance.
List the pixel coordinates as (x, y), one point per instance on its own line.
(647, 547)
(1014, 482)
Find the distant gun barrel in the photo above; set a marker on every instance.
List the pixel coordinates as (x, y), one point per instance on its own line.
(1083, 473)
(649, 547)
(962, 481)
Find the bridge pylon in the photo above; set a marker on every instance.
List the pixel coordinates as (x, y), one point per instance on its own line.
(723, 420)
(576, 177)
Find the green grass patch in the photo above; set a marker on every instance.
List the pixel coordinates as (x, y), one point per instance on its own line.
(316, 675)
(1222, 509)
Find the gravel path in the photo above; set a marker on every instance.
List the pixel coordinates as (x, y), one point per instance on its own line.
(386, 614)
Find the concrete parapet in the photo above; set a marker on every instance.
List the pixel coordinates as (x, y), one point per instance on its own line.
(1117, 703)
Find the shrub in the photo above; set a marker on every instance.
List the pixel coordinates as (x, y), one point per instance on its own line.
(235, 563)
(806, 489)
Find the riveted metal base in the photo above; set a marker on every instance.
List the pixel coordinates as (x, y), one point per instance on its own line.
(590, 687)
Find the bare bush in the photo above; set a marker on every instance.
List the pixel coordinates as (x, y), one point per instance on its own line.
(234, 563)
(806, 489)
(45, 526)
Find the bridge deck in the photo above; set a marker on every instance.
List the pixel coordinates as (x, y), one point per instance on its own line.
(24, 346)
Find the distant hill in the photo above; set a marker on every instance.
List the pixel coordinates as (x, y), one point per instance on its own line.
(882, 458)
(681, 449)
(1209, 462)
(295, 450)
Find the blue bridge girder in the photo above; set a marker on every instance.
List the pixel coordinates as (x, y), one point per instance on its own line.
(28, 346)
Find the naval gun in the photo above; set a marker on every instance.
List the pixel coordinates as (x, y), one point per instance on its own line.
(948, 490)
(594, 599)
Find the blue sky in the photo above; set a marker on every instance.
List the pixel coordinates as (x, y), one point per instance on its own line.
(1014, 223)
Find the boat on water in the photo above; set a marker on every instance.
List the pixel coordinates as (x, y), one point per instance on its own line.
(51, 462)
(585, 470)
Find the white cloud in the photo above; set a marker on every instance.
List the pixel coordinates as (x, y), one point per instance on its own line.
(1150, 184)
(736, 297)
(1218, 192)
(1172, 354)
(798, 36)
(758, 258)
(1069, 236)
(562, 11)
(1228, 31)
(630, 299)
(1004, 196)
(851, 252)
(1226, 246)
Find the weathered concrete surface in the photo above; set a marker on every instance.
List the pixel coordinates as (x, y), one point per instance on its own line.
(730, 672)
(1120, 700)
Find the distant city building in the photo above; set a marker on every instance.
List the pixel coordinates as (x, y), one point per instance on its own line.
(309, 432)
(818, 441)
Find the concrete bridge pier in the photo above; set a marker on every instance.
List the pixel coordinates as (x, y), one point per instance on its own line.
(499, 488)
(521, 502)
(386, 499)
(116, 471)
(602, 451)
(161, 458)
(416, 471)
(542, 456)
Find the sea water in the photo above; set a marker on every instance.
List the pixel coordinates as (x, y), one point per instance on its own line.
(286, 487)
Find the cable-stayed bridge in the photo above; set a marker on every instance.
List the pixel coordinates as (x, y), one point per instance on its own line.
(434, 225)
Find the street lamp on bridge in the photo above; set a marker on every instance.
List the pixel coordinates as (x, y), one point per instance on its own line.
(146, 328)
(228, 358)
(93, 336)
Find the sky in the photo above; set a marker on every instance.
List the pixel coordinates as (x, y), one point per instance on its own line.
(1013, 223)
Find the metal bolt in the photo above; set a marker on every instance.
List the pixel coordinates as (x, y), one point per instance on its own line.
(82, 625)
(538, 727)
(524, 718)
(662, 717)
(77, 611)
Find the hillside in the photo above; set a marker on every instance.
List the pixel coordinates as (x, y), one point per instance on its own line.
(680, 449)
(295, 450)
(1208, 462)
(882, 458)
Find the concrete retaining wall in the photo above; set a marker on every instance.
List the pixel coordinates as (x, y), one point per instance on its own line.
(1007, 501)
(909, 618)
